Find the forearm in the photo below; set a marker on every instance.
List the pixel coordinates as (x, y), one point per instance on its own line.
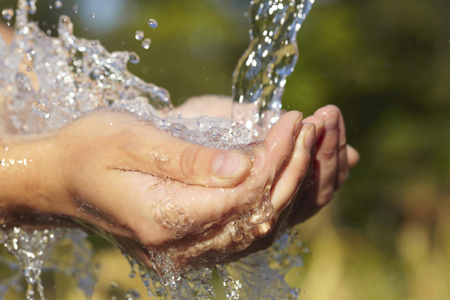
(29, 175)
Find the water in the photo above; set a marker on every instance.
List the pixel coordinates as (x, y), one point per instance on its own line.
(139, 35)
(79, 76)
(40, 109)
(152, 23)
(58, 4)
(8, 13)
(59, 250)
(260, 75)
(146, 43)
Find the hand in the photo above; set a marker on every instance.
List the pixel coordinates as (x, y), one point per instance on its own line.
(331, 160)
(332, 157)
(148, 188)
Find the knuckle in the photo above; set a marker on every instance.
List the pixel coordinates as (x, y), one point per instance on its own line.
(188, 158)
(327, 153)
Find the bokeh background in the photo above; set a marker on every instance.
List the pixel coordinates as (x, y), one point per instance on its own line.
(385, 63)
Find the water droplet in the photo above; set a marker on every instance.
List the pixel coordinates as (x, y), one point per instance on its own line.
(92, 16)
(75, 8)
(58, 4)
(152, 23)
(139, 35)
(40, 109)
(29, 69)
(132, 294)
(50, 6)
(146, 43)
(134, 58)
(49, 31)
(114, 284)
(31, 7)
(8, 13)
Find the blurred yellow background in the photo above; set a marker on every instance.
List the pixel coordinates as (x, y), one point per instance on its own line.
(385, 63)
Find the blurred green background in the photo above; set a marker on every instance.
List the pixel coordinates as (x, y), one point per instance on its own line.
(385, 63)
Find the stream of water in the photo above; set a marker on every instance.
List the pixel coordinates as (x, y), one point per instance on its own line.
(78, 76)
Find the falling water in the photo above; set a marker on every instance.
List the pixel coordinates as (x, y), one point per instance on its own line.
(78, 76)
(260, 75)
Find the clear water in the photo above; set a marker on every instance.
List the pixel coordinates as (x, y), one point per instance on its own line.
(78, 76)
(60, 250)
(260, 75)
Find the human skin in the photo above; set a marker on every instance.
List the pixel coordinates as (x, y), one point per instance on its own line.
(102, 170)
(111, 170)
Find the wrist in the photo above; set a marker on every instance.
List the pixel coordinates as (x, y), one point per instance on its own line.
(30, 176)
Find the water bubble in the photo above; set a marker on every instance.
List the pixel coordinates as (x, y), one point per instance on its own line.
(58, 4)
(8, 13)
(40, 109)
(134, 58)
(92, 16)
(152, 23)
(139, 35)
(146, 43)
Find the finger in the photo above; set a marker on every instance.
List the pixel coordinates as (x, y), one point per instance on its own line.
(296, 169)
(342, 153)
(326, 159)
(279, 142)
(172, 157)
(352, 156)
(161, 210)
(318, 123)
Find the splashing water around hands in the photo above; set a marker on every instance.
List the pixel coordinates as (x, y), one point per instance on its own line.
(150, 193)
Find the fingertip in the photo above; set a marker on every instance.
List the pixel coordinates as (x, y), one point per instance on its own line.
(330, 115)
(353, 156)
(318, 123)
(308, 135)
(230, 168)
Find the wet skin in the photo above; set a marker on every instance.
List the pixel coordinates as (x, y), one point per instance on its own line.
(151, 190)
(113, 170)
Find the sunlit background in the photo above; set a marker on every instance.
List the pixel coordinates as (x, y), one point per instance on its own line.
(385, 63)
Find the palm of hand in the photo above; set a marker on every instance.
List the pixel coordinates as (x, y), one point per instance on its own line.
(137, 188)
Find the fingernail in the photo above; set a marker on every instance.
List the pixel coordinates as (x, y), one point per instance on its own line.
(331, 121)
(298, 125)
(308, 139)
(228, 164)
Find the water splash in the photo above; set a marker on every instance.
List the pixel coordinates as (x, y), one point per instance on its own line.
(40, 110)
(260, 75)
(263, 273)
(78, 76)
(45, 250)
(8, 13)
